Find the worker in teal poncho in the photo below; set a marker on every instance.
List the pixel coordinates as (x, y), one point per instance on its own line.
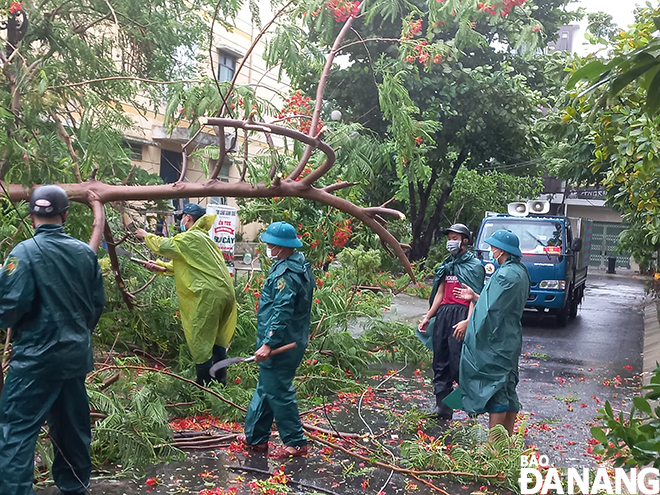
(443, 327)
(51, 295)
(493, 341)
(284, 316)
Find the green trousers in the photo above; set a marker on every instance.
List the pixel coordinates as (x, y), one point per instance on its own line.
(25, 404)
(274, 398)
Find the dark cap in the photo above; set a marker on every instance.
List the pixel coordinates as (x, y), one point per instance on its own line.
(459, 228)
(49, 201)
(194, 209)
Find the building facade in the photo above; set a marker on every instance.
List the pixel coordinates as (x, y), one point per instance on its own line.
(158, 151)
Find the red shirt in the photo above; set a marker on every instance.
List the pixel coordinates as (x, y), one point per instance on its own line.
(451, 281)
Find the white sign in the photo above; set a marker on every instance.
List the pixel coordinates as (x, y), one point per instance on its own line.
(223, 231)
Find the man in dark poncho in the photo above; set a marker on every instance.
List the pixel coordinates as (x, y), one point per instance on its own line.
(443, 327)
(493, 341)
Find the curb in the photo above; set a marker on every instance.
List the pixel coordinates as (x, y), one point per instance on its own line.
(651, 354)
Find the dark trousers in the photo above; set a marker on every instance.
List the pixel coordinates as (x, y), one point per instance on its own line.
(274, 398)
(25, 404)
(446, 349)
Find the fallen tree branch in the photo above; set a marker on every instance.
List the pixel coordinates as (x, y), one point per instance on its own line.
(339, 434)
(113, 379)
(114, 266)
(97, 225)
(292, 481)
(145, 285)
(173, 375)
(399, 469)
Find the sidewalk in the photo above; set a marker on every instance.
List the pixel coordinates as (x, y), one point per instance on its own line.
(651, 337)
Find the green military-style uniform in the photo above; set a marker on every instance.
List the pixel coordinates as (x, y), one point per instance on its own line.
(284, 317)
(493, 342)
(51, 295)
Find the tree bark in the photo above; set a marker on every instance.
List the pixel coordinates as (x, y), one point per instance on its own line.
(424, 232)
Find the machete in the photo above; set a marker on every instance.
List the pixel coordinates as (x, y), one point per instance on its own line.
(123, 252)
(240, 359)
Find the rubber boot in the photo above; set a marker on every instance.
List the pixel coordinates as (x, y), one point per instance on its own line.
(203, 375)
(444, 412)
(220, 353)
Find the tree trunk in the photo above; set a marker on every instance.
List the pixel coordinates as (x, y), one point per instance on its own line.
(423, 232)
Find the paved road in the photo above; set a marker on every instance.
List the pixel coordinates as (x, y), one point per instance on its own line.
(567, 374)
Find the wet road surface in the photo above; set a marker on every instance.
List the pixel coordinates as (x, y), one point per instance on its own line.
(566, 376)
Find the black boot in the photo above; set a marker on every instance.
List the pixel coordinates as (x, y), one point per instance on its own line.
(444, 412)
(203, 375)
(220, 353)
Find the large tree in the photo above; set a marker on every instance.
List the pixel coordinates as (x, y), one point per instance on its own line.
(607, 129)
(428, 79)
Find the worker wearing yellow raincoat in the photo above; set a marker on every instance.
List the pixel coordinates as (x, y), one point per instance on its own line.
(207, 302)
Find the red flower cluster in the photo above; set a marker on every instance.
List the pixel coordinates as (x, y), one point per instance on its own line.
(298, 104)
(341, 10)
(536, 29)
(423, 56)
(342, 234)
(219, 491)
(15, 7)
(411, 30)
(505, 9)
(508, 5)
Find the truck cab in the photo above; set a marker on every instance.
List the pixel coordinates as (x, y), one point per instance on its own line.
(555, 254)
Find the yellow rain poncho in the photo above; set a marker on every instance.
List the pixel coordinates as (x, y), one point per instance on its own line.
(207, 302)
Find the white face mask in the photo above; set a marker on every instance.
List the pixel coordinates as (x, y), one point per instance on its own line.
(269, 253)
(496, 254)
(454, 247)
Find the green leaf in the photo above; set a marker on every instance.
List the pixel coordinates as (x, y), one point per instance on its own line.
(653, 96)
(589, 71)
(599, 434)
(627, 77)
(643, 405)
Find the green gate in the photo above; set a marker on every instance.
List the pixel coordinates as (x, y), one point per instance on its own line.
(604, 239)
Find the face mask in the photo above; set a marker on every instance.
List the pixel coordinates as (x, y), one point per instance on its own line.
(269, 253)
(495, 255)
(183, 227)
(454, 247)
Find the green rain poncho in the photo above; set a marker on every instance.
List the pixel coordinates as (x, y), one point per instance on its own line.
(469, 271)
(493, 339)
(207, 302)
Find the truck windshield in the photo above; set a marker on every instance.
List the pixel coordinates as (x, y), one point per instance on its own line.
(536, 236)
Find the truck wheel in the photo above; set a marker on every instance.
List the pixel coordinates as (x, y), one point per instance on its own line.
(561, 318)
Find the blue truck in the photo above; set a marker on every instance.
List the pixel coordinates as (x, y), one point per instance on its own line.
(555, 251)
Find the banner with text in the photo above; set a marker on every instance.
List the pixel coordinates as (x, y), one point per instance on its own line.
(223, 231)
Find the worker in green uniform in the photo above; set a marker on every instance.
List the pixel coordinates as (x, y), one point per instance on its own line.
(207, 301)
(443, 327)
(493, 340)
(51, 295)
(284, 316)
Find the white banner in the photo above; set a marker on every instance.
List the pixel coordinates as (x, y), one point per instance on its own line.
(223, 231)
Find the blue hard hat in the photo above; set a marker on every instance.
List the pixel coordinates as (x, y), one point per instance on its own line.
(194, 209)
(281, 234)
(506, 241)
